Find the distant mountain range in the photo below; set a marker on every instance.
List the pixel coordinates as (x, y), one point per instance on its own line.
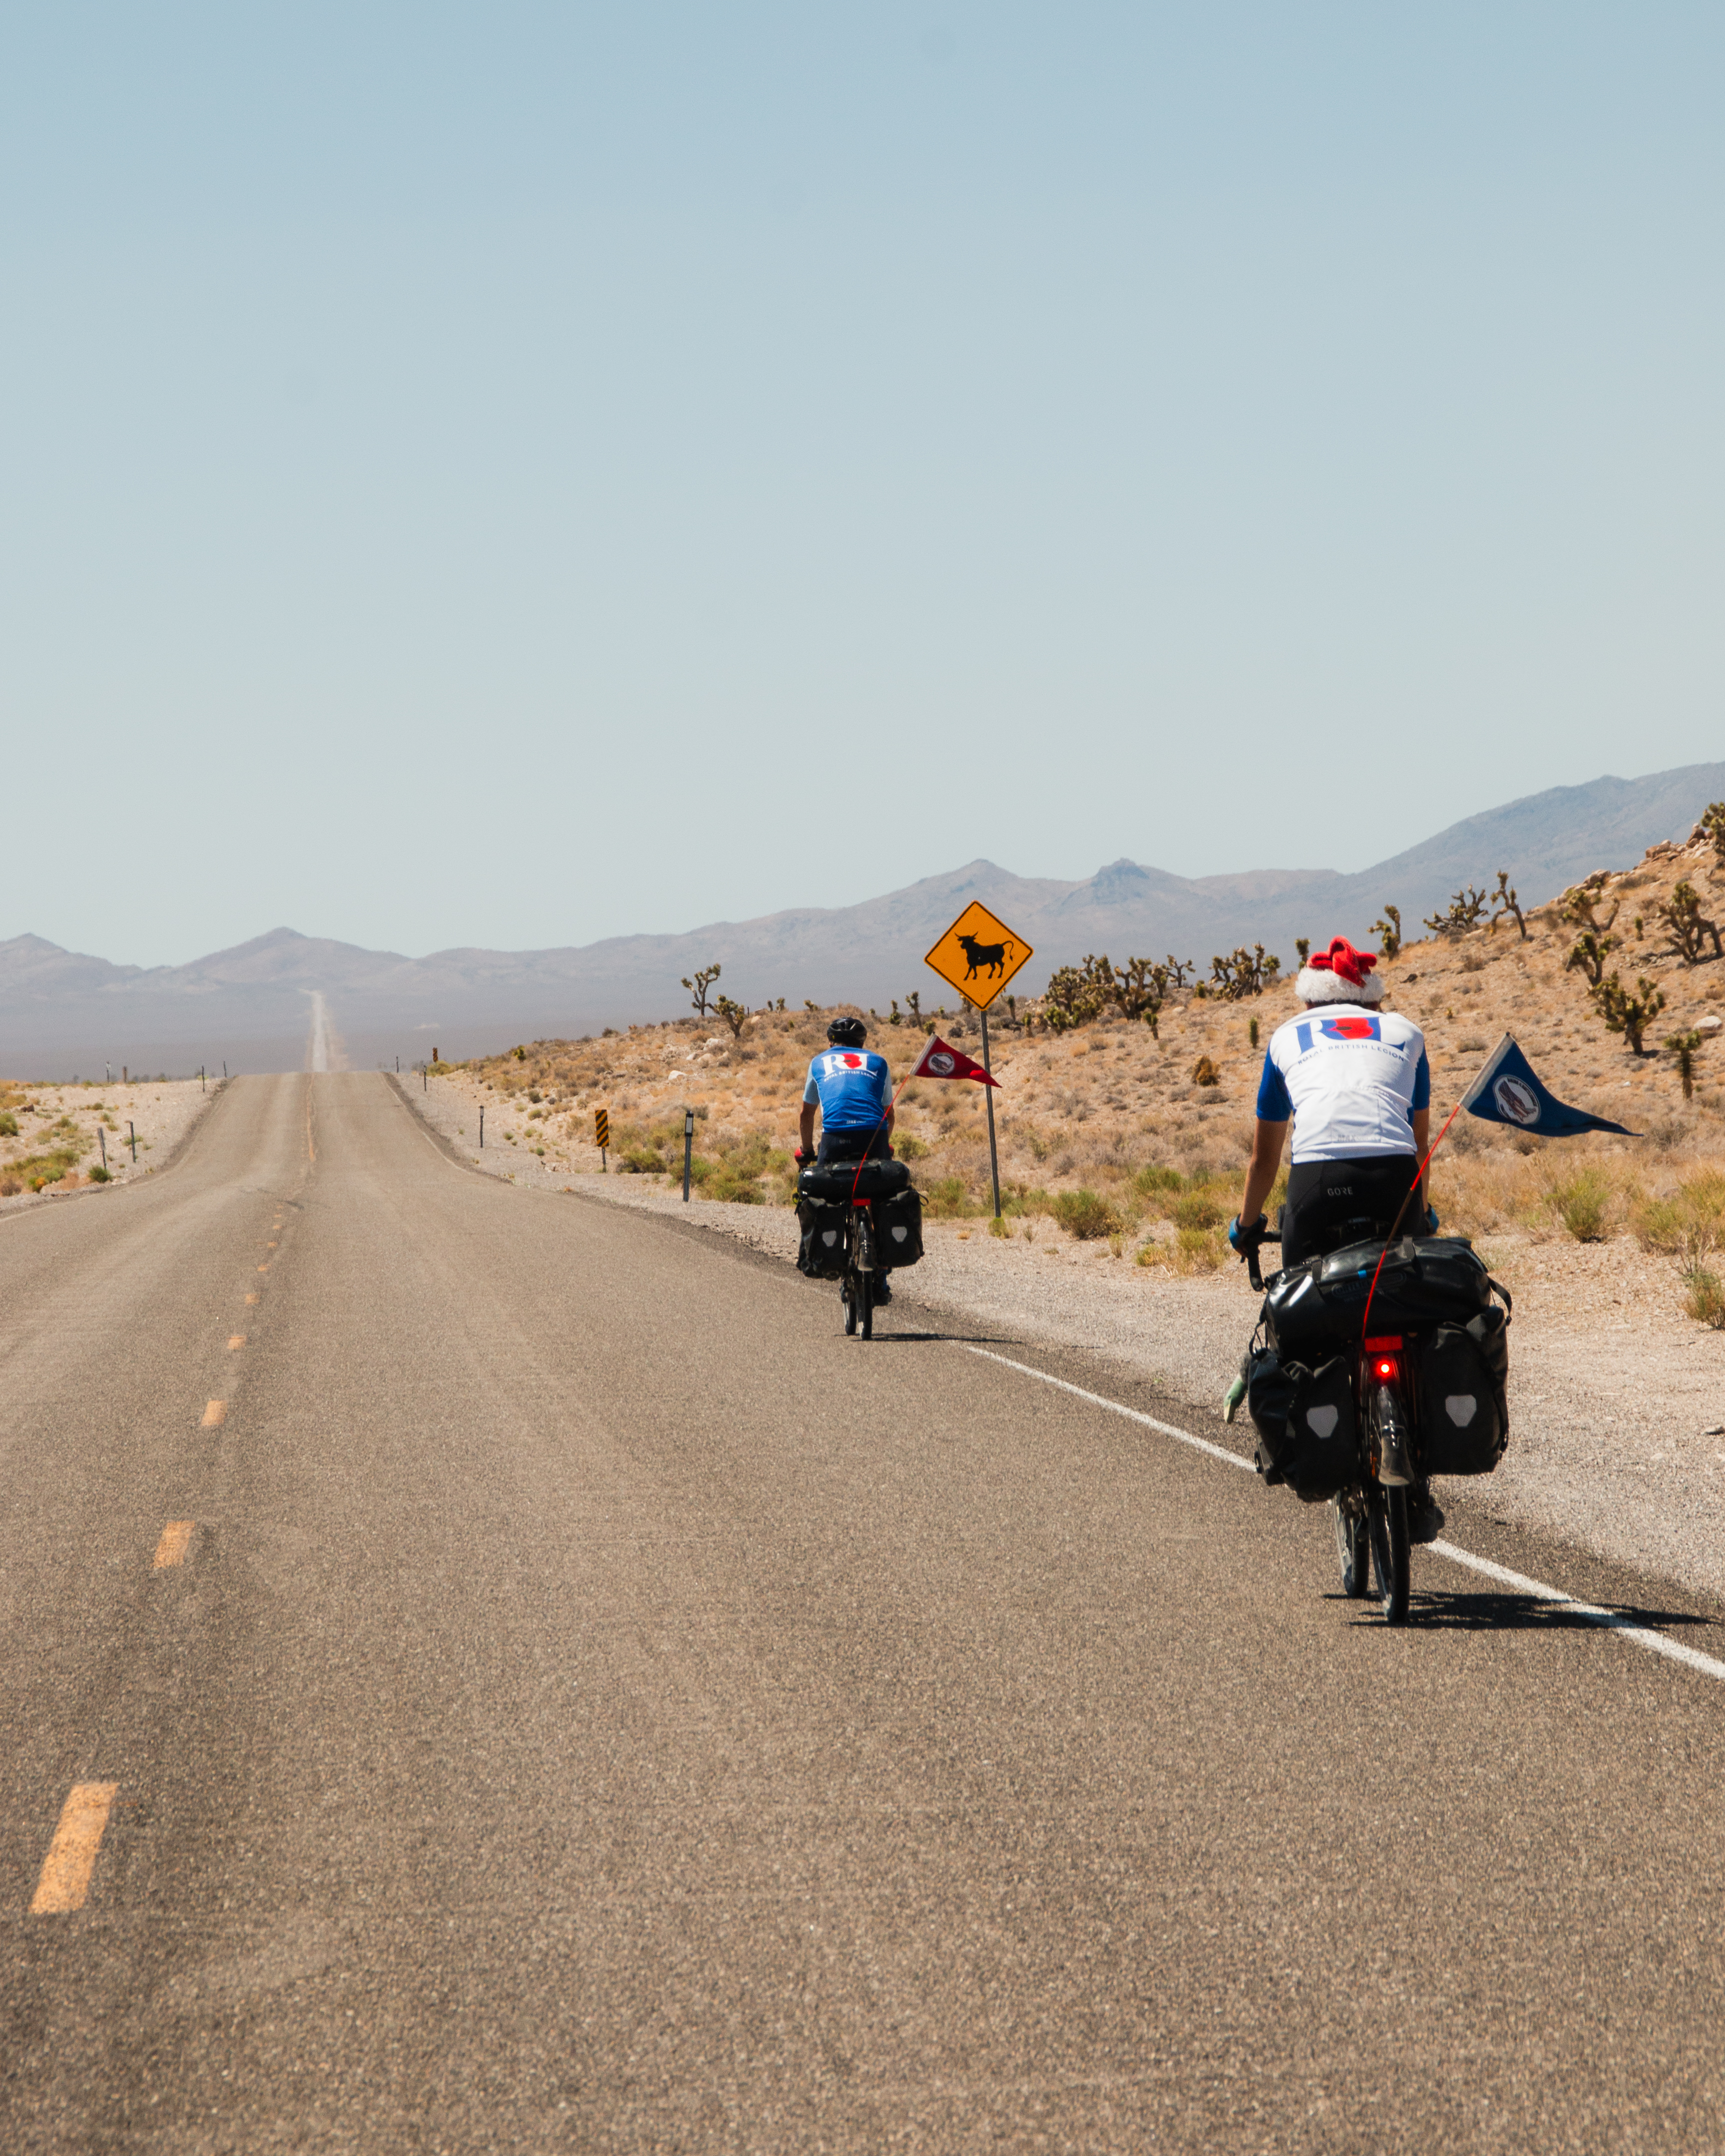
(62, 1013)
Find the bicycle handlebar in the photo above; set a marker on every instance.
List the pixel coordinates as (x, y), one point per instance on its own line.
(1253, 1245)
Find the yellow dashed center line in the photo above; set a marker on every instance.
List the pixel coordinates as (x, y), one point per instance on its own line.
(263, 1269)
(214, 1414)
(176, 1540)
(72, 1854)
(235, 1340)
(251, 1298)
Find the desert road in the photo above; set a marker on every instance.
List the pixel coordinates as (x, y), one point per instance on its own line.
(486, 1671)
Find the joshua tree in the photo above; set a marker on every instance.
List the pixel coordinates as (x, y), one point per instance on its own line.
(1588, 955)
(1076, 994)
(1686, 1046)
(1465, 907)
(735, 1016)
(1302, 944)
(1712, 826)
(1580, 904)
(1504, 901)
(1630, 1015)
(1242, 973)
(1687, 926)
(705, 976)
(1388, 931)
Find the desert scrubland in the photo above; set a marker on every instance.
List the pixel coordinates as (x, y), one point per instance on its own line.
(1122, 1152)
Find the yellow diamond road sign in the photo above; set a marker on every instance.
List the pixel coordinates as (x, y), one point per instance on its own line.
(978, 955)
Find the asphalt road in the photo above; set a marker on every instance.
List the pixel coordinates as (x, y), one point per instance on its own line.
(600, 1707)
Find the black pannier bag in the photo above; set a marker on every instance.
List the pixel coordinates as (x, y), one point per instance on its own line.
(1307, 1434)
(1270, 1393)
(898, 1229)
(1464, 1415)
(1425, 1280)
(822, 1255)
(840, 1179)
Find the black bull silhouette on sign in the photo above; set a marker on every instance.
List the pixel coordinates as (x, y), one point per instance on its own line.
(991, 957)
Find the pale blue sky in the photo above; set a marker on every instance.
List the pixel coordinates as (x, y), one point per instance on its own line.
(518, 474)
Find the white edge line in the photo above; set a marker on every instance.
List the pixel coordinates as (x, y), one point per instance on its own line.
(1610, 1621)
(1114, 1407)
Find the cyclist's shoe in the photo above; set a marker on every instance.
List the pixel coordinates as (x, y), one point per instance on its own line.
(883, 1290)
(1425, 1516)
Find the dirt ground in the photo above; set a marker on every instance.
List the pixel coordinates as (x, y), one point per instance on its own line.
(65, 1137)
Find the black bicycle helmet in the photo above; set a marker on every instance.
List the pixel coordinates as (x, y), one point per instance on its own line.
(847, 1033)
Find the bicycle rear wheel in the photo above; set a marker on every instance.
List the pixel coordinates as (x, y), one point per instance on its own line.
(848, 1292)
(1353, 1546)
(1388, 1512)
(865, 1297)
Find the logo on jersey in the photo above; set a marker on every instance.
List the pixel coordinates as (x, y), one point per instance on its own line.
(1353, 1025)
(1517, 1101)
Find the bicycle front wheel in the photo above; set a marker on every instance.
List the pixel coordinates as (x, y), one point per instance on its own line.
(1389, 1516)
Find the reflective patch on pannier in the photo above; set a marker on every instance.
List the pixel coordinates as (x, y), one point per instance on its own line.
(821, 1256)
(1464, 1418)
(1304, 1419)
(898, 1229)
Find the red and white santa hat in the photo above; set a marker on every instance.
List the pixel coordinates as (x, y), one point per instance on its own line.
(1340, 975)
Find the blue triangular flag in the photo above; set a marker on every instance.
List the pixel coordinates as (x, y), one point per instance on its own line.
(1507, 1092)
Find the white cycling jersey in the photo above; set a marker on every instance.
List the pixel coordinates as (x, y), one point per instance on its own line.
(1351, 1077)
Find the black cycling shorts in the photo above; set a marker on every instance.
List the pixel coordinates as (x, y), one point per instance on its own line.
(873, 1144)
(1324, 1196)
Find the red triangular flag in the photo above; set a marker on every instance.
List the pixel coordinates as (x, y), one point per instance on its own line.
(937, 1060)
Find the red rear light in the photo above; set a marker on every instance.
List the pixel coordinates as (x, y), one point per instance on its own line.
(1384, 1365)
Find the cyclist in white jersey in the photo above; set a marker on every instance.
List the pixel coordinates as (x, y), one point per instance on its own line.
(1354, 1081)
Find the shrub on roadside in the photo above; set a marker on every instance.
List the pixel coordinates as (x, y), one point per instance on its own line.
(1583, 1204)
(947, 1198)
(1086, 1215)
(1704, 1296)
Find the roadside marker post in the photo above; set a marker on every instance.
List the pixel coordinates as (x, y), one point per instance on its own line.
(482, 1130)
(133, 1129)
(978, 955)
(201, 1085)
(602, 1136)
(102, 1138)
(688, 1149)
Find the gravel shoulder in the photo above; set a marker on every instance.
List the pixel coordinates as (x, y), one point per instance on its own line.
(1617, 1403)
(67, 1127)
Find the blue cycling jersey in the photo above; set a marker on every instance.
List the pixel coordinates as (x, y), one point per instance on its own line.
(853, 1087)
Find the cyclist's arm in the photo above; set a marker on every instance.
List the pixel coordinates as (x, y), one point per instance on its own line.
(1267, 1142)
(808, 1126)
(1422, 1137)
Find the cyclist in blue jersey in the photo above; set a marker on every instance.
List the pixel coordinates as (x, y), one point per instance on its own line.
(852, 1090)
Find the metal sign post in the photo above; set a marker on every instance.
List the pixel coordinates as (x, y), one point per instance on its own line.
(989, 1096)
(482, 1130)
(978, 955)
(601, 1135)
(688, 1149)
